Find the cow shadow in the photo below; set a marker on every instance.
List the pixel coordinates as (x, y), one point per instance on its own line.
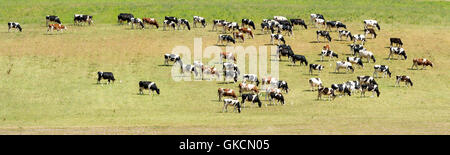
(307, 74)
(315, 42)
(337, 72)
(269, 44)
(165, 65)
(226, 82)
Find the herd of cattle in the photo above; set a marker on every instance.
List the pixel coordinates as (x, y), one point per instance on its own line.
(271, 88)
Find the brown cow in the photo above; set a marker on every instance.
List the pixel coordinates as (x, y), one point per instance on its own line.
(326, 91)
(247, 31)
(151, 21)
(228, 56)
(238, 35)
(248, 87)
(403, 78)
(226, 92)
(58, 27)
(421, 61)
(326, 47)
(371, 31)
(211, 71)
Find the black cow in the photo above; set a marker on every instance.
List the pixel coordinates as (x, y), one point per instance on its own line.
(335, 24)
(14, 25)
(248, 22)
(227, 38)
(300, 58)
(151, 86)
(124, 17)
(283, 85)
(52, 18)
(77, 19)
(105, 75)
(298, 22)
(251, 98)
(284, 50)
(397, 41)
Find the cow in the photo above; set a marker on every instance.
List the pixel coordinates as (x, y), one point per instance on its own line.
(283, 85)
(355, 48)
(335, 24)
(57, 27)
(249, 23)
(105, 75)
(184, 23)
(247, 31)
(198, 19)
(315, 67)
(355, 60)
(319, 22)
(328, 53)
(52, 18)
(188, 68)
(324, 34)
(353, 85)
(277, 37)
(231, 26)
(381, 69)
(250, 77)
(238, 35)
(151, 86)
(301, 58)
(342, 89)
(326, 91)
(287, 28)
(137, 21)
(369, 87)
(316, 16)
(14, 25)
(226, 92)
(172, 19)
(251, 98)
(228, 56)
(231, 102)
(265, 26)
(279, 18)
(315, 82)
(124, 17)
(172, 57)
(219, 23)
(396, 41)
(226, 38)
(284, 50)
(345, 33)
(371, 23)
(168, 23)
(370, 31)
(421, 61)
(230, 66)
(151, 21)
(359, 37)
(367, 54)
(366, 80)
(344, 64)
(230, 74)
(403, 78)
(397, 51)
(79, 19)
(298, 22)
(269, 80)
(211, 71)
(248, 87)
(277, 96)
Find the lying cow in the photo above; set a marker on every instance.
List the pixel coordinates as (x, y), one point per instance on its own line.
(148, 85)
(105, 75)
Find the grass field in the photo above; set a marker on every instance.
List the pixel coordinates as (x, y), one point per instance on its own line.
(48, 82)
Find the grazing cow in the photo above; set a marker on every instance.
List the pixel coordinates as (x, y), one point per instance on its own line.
(371, 23)
(226, 92)
(324, 34)
(124, 17)
(198, 19)
(151, 86)
(231, 102)
(279, 18)
(277, 96)
(328, 53)
(248, 22)
(315, 67)
(57, 27)
(188, 68)
(367, 54)
(319, 22)
(301, 58)
(105, 75)
(366, 80)
(359, 37)
(247, 31)
(381, 69)
(248, 87)
(219, 23)
(397, 51)
(230, 74)
(342, 89)
(231, 66)
(251, 98)
(283, 85)
(269, 80)
(353, 85)
(137, 21)
(298, 22)
(79, 19)
(167, 23)
(52, 18)
(265, 26)
(287, 28)
(277, 37)
(403, 78)
(173, 19)
(231, 26)
(355, 48)
(172, 57)
(421, 61)
(335, 24)
(344, 64)
(14, 25)
(199, 65)
(252, 78)
(184, 23)
(355, 60)
(211, 71)
(227, 56)
(326, 91)
(284, 50)
(370, 87)
(238, 35)
(345, 33)
(371, 31)
(225, 37)
(316, 16)
(315, 82)
(397, 41)
(151, 21)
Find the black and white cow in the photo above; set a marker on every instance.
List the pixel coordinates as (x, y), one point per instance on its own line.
(324, 34)
(283, 85)
(231, 26)
(219, 23)
(371, 23)
(345, 33)
(366, 80)
(319, 22)
(403, 78)
(341, 88)
(300, 58)
(370, 31)
(355, 48)
(353, 85)
(397, 51)
(189, 68)
(230, 74)
(397, 41)
(316, 16)
(287, 28)
(248, 22)
(355, 60)
(265, 26)
(298, 22)
(359, 37)
(137, 21)
(198, 19)
(381, 69)
(326, 91)
(277, 37)
(335, 24)
(184, 23)
(328, 53)
(168, 23)
(370, 87)
(105, 75)
(230, 66)
(277, 96)
(252, 78)
(231, 102)
(173, 19)
(226, 38)
(124, 17)
(78, 19)
(148, 85)
(367, 54)
(251, 98)
(172, 57)
(344, 64)
(285, 50)
(52, 18)
(315, 67)
(14, 25)
(315, 82)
